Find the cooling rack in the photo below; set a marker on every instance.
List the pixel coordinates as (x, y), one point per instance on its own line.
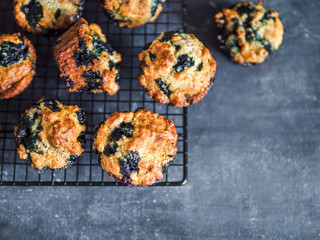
(129, 42)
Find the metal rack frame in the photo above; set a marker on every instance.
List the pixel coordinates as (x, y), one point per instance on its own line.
(86, 171)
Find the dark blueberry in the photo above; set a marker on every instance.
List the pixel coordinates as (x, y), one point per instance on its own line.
(11, 53)
(82, 139)
(33, 12)
(177, 47)
(232, 44)
(57, 14)
(147, 46)
(110, 13)
(183, 62)
(117, 78)
(167, 36)
(164, 87)
(152, 56)
(69, 82)
(83, 56)
(249, 36)
(125, 129)
(245, 9)
(91, 78)
(235, 24)
(99, 46)
(189, 99)
(52, 105)
(111, 65)
(73, 157)
(268, 15)
(200, 66)
(81, 116)
(129, 163)
(24, 135)
(111, 148)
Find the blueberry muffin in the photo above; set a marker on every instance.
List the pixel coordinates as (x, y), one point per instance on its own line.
(132, 13)
(47, 17)
(17, 64)
(250, 33)
(176, 69)
(86, 60)
(50, 135)
(136, 147)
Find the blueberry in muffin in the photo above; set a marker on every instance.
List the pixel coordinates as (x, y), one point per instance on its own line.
(250, 33)
(132, 13)
(51, 135)
(86, 60)
(47, 17)
(176, 69)
(136, 147)
(17, 64)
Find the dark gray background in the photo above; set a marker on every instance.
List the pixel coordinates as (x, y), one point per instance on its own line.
(254, 150)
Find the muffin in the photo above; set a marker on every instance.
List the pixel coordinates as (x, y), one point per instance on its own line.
(133, 13)
(86, 60)
(50, 135)
(136, 147)
(249, 32)
(176, 69)
(47, 17)
(17, 64)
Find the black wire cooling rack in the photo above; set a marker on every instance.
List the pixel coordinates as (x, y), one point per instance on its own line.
(129, 42)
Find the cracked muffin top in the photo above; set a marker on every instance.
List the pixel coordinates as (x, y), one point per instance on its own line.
(86, 60)
(136, 147)
(250, 33)
(50, 135)
(132, 13)
(47, 17)
(17, 64)
(176, 69)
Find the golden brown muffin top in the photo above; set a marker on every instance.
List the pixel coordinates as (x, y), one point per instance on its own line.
(136, 147)
(132, 13)
(176, 69)
(86, 60)
(43, 16)
(17, 64)
(250, 32)
(50, 135)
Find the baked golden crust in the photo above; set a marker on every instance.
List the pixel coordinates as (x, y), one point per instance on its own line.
(50, 135)
(136, 148)
(176, 69)
(250, 32)
(42, 16)
(86, 60)
(133, 13)
(17, 64)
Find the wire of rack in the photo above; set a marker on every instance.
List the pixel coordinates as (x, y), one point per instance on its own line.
(86, 171)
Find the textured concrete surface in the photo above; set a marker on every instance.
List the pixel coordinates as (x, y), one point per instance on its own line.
(254, 157)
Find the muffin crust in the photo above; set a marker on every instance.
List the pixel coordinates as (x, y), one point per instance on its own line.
(250, 33)
(47, 17)
(17, 64)
(50, 135)
(136, 147)
(86, 60)
(176, 69)
(133, 13)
